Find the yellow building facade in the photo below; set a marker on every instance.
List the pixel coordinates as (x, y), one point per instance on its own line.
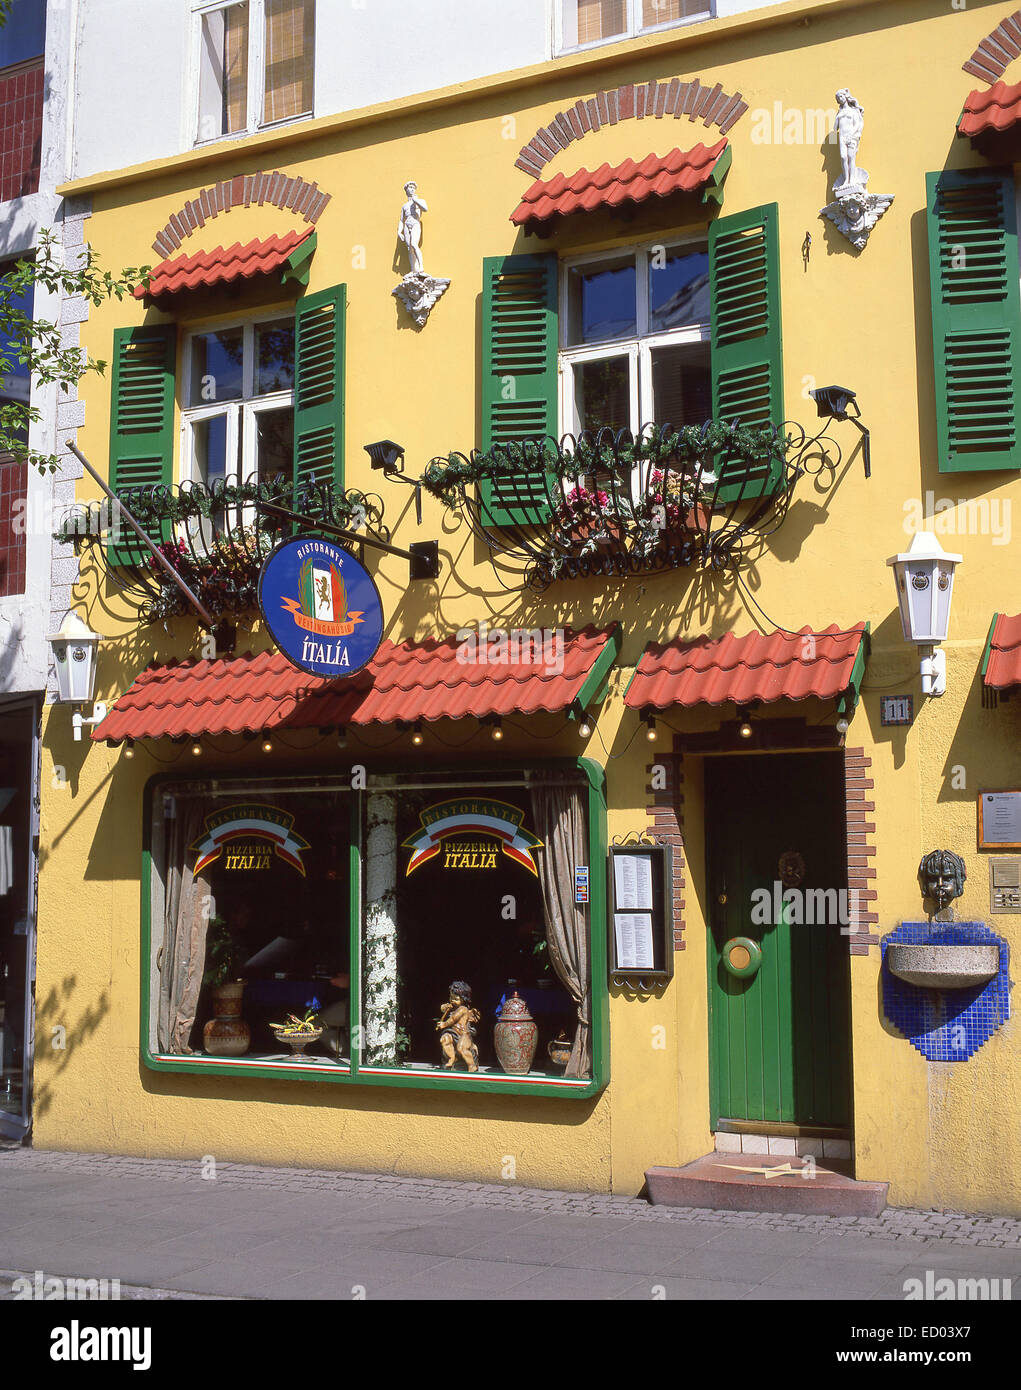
(673, 1057)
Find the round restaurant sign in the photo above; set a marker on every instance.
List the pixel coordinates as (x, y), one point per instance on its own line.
(321, 606)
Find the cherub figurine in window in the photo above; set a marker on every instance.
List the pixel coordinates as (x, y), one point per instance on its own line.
(457, 1035)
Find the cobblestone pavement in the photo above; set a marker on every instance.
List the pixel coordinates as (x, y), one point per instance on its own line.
(164, 1231)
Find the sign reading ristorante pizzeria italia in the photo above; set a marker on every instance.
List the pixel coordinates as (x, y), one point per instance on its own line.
(498, 825)
(321, 607)
(269, 827)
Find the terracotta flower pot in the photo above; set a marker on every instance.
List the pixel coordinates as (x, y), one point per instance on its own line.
(515, 1037)
(227, 1034)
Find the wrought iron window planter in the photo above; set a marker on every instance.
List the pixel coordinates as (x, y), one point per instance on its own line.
(619, 504)
(216, 537)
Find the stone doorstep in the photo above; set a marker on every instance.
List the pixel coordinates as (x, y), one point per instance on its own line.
(716, 1182)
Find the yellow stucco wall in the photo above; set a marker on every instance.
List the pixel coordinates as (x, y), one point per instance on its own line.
(940, 1134)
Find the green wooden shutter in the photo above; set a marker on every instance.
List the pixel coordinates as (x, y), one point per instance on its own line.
(319, 388)
(141, 423)
(747, 358)
(976, 314)
(519, 375)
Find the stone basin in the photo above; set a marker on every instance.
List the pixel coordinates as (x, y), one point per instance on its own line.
(935, 966)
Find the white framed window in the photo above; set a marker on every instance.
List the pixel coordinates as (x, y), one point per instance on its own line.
(585, 23)
(253, 64)
(635, 338)
(237, 416)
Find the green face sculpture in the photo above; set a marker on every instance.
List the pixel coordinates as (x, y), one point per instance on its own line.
(942, 875)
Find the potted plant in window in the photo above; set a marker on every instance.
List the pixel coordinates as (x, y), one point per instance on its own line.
(297, 1032)
(226, 1034)
(585, 522)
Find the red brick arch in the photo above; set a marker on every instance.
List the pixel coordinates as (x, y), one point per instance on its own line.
(711, 105)
(997, 50)
(281, 190)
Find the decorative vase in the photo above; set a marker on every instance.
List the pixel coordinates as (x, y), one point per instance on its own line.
(515, 1036)
(227, 1034)
(297, 1042)
(559, 1051)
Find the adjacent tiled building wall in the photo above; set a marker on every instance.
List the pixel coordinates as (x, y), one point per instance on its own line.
(21, 128)
(70, 418)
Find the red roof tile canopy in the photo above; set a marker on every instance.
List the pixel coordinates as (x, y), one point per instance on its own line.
(407, 682)
(289, 253)
(991, 120)
(656, 176)
(1001, 667)
(762, 667)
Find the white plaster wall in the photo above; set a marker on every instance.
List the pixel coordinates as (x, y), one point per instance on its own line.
(134, 90)
(25, 618)
(130, 74)
(379, 50)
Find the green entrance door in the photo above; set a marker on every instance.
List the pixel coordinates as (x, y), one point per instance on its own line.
(779, 1035)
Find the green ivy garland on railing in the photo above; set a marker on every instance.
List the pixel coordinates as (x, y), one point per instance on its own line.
(681, 449)
(221, 565)
(153, 506)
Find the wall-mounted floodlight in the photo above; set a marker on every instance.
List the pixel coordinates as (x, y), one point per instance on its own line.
(840, 403)
(386, 455)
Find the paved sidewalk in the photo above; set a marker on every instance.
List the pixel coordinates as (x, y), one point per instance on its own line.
(165, 1231)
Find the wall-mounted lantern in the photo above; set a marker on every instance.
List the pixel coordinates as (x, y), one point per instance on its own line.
(924, 575)
(74, 650)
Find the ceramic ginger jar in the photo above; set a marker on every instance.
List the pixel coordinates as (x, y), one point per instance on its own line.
(515, 1036)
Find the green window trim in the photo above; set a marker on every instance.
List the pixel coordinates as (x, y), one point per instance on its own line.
(298, 265)
(356, 1075)
(520, 339)
(987, 650)
(319, 365)
(976, 318)
(747, 338)
(141, 421)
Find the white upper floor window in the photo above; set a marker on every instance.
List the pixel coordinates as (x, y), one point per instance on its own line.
(635, 339)
(584, 22)
(237, 417)
(255, 65)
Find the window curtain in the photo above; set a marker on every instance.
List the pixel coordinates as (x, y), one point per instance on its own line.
(188, 906)
(663, 11)
(601, 19)
(559, 818)
(235, 67)
(290, 48)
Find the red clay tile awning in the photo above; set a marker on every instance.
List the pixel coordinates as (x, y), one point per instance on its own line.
(1001, 664)
(762, 667)
(407, 682)
(677, 172)
(288, 255)
(991, 119)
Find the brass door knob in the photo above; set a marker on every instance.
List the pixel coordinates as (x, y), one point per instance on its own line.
(721, 898)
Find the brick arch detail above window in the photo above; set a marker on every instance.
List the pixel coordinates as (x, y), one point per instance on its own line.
(711, 105)
(281, 190)
(997, 50)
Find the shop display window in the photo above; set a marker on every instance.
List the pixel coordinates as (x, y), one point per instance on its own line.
(251, 887)
(469, 892)
(426, 929)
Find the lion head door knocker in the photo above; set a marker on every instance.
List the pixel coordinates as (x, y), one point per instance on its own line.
(791, 869)
(942, 874)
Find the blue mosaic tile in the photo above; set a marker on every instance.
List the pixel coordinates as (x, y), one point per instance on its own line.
(946, 1025)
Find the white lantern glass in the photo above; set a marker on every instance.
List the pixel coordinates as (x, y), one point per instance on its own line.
(924, 576)
(74, 650)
